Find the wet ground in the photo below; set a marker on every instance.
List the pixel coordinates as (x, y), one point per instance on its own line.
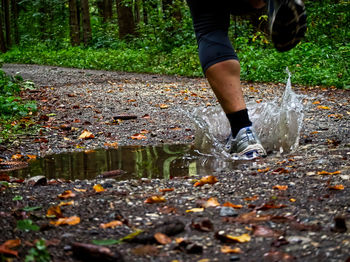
(293, 206)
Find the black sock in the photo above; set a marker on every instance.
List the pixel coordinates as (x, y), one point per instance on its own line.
(238, 120)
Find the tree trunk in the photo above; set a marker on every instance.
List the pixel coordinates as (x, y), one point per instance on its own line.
(2, 37)
(108, 9)
(74, 23)
(144, 11)
(87, 35)
(125, 20)
(137, 11)
(14, 11)
(104, 9)
(6, 8)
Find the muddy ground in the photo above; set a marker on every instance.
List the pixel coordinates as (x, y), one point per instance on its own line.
(289, 207)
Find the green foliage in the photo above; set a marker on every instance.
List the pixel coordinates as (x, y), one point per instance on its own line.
(165, 44)
(17, 198)
(106, 242)
(29, 209)
(39, 253)
(27, 225)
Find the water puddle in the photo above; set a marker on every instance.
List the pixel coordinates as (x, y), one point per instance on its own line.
(278, 124)
(126, 162)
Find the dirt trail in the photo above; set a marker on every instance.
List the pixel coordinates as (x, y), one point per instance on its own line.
(294, 222)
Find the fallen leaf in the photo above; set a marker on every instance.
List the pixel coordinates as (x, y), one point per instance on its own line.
(66, 203)
(89, 252)
(211, 202)
(263, 170)
(229, 204)
(155, 199)
(66, 194)
(163, 190)
(316, 103)
(262, 231)
(280, 170)
(86, 135)
(195, 210)
(6, 247)
(145, 250)
(167, 210)
(323, 107)
(203, 225)
(229, 250)
(222, 236)
(98, 188)
(253, 198)
(17, 157)
(206, 180)
(270, 205)
(138, 136)
(292, 200)
(31, 157)
(280, 187)
(113, 145)
(66, 221)
(54, 211)
(323, 172)
(111, 224)
(162, 238)
(163, 106)
(80, 189)
(336, 187)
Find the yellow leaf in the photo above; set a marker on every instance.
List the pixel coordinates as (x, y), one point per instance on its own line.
(80, 189)
(86, 135)
(98, 188)
(66, 194)
(111, 224)
(279, 187)
(54, 211)
(228, 249)
(66, 221)
(241, 239)
(155, 199)
(163, 106)
(323, 172)
(138, 136)
(229, 204)
(195, 210)
(31, 157)
(263, 170)
(114, 145)
(323, 107)
(336, 187)
(211, 202)
(292, 200)
(66, 203)
(16, 157)
(206, 180)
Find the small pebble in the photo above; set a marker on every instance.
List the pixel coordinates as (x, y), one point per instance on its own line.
(234, 258)
(228, 212)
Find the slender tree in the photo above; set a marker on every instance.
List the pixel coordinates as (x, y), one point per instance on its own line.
(87, 35)
(7, 23)
(2, 36)
(125, 19)
(14, 11)
(74, 23)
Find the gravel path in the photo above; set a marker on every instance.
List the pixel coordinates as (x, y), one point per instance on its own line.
(293, 207)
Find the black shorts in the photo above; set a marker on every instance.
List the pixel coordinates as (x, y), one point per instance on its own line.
(211, 20)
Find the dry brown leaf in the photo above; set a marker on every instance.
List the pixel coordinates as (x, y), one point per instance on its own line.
(337, 187)
(54, 211)
(280, 187)
(113, 145)
(241, 239)
(195, 210)
(86, 135)
(229, 204)
(66, 203)
(138, 136)
(206, 180)
(111, 224)
(228, 250)
(323, 107)
(263, 170)
(98, 188)
(31, 157)
(5, 248)
(16, 157)
(155, 199)
(253, 198)
(211, 202)
(162, 238)
(66, 194)
(163, 106)
(323, 172)
(80, 189)
(66, 221)
(163, 190)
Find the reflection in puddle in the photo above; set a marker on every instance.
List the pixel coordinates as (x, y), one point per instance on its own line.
(163, 161)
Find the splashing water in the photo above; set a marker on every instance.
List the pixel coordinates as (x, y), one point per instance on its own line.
(277, 123)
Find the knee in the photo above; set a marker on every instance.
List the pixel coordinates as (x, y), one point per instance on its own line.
(230, 67)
